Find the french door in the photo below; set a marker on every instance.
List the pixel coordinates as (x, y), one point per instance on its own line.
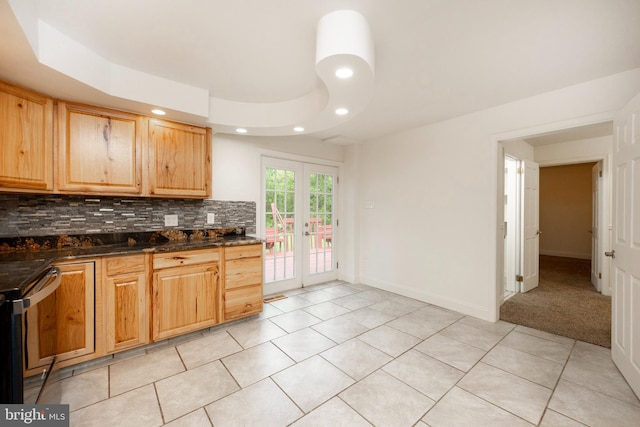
(298, 224)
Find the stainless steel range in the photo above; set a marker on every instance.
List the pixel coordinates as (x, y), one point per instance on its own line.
(23, 284)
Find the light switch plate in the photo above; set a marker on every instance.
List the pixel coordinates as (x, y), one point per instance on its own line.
(211, 218)
(170, 220)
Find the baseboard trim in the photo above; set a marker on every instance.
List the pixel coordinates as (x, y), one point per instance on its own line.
(462, 307)
(566, 254)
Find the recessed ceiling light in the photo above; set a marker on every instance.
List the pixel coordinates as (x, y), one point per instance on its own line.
(344, 73)
(241, 130)
(158, 112)
(298, 129)
(342, 111)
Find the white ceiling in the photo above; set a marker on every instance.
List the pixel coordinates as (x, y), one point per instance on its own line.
(434, 59)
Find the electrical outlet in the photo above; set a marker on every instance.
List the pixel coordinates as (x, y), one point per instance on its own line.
(170, 220)
(211, 218)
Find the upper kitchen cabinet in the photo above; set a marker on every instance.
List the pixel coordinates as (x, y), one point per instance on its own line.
(26, 140)
(179, 160)
(99, 150)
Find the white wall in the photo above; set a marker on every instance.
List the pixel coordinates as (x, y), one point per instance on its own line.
(566, 210)
(349, 209)
(433, 231)
(236, 161)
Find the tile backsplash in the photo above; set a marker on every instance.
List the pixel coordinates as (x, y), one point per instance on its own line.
(44, 215)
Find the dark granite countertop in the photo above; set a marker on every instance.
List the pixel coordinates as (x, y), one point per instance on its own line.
(19, 268)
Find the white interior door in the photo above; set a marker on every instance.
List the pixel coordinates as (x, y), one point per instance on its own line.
(625, 336)
(596, 170)
(511, 224)
(320, 222)
(531, 226)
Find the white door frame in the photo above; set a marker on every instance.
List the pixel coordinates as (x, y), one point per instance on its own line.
(596, 224)
(605, 231)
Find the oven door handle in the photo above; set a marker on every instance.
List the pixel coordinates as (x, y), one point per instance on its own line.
(45, 287)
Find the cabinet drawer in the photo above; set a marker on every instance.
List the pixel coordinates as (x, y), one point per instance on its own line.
(243, 251)
(178, 259)
(242, 302)
(124, 264)
(242, 272)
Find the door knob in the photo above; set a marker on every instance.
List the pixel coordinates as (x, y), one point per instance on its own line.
(612, 254)
(306, 233)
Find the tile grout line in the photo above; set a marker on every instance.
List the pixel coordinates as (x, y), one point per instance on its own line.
(303, 309)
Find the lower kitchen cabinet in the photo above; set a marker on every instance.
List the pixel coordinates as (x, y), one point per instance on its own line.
(113, 303)
(64, 323)
(186, 291)
(242, 281)
(125, 287)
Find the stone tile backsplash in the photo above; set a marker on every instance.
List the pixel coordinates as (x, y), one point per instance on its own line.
(44, 215)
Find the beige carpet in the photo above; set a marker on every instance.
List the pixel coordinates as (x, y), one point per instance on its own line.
(565, 303)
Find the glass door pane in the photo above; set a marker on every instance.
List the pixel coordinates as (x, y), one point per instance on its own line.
(320, 222)
(319, 255)
(280, 224)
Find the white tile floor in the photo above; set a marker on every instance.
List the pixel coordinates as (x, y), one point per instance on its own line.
(350, 355)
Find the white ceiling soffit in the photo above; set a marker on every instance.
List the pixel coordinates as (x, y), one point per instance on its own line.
(434, 60)
(343, 40)
(572, 134)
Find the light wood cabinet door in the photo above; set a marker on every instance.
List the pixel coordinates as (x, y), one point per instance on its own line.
(242, 302)
(243, 292)
(185, 299)
(179, 160)
(99, 150)
(63, 323)
(127, 320)
(26, 140)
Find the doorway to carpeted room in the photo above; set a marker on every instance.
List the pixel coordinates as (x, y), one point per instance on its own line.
(564, 303)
